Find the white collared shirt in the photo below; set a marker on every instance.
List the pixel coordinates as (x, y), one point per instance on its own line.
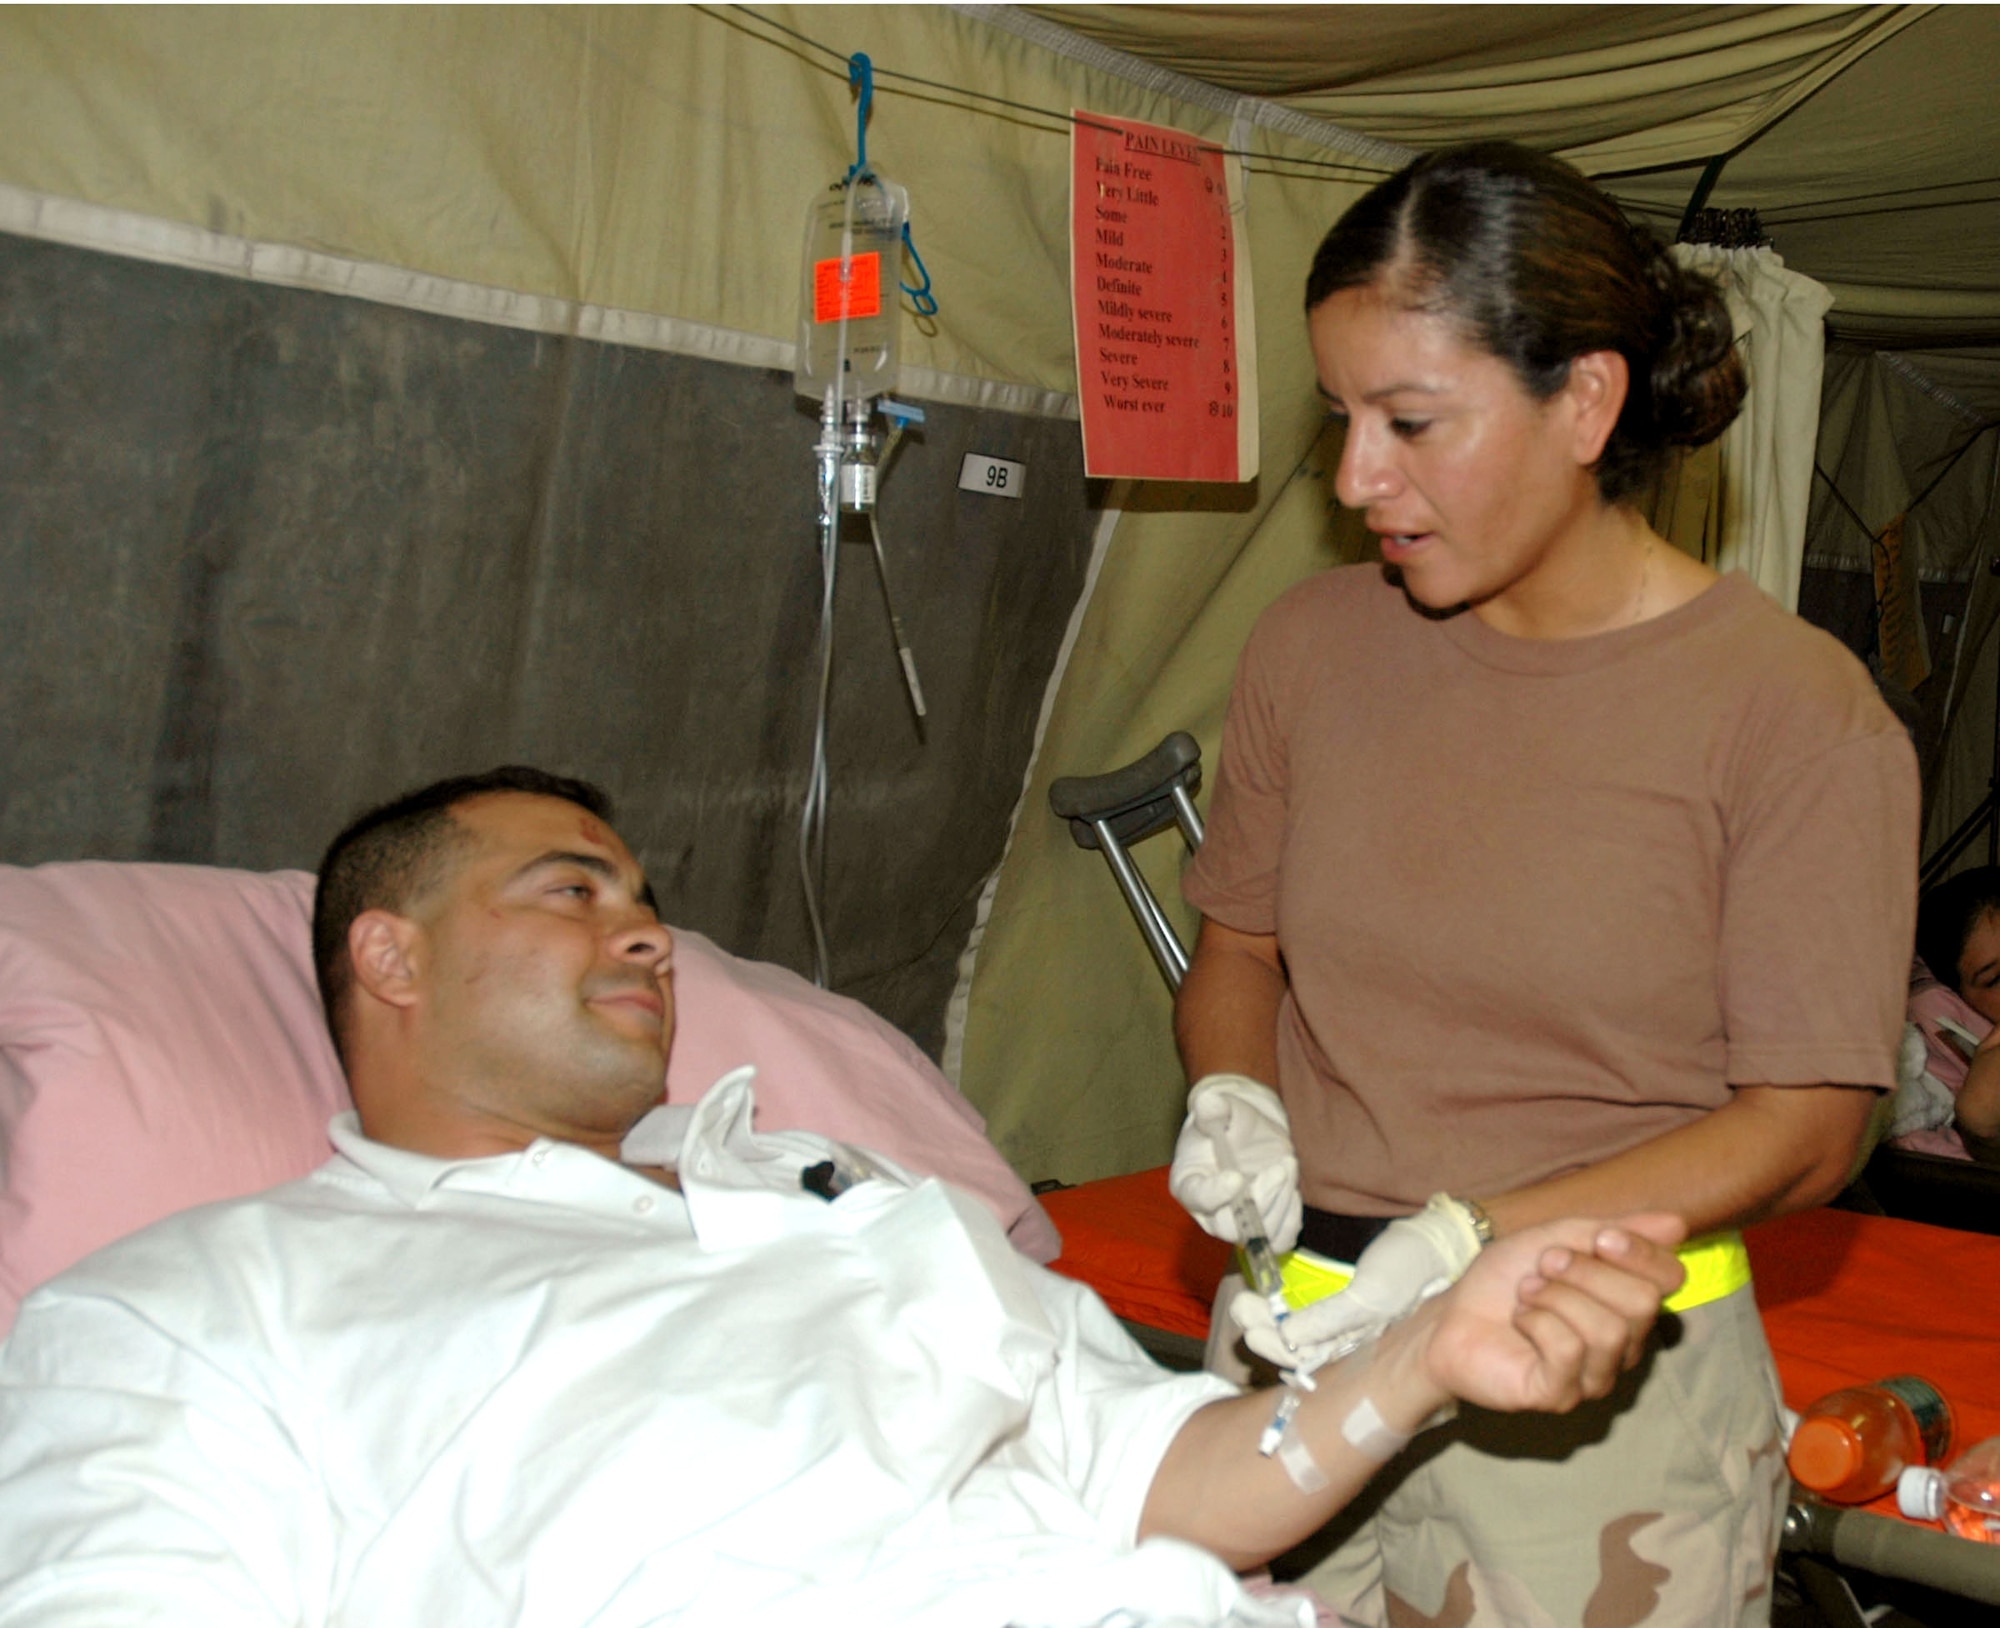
(544, 1390)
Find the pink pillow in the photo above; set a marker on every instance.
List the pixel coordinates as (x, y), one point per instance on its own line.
(828, 1064)
(161, 1046)
(1929, 1002)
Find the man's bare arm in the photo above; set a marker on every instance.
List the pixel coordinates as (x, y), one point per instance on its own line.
(1542, 1321)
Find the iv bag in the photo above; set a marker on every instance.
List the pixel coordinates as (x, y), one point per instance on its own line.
(848, 298)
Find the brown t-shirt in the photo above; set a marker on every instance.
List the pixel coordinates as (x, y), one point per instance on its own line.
(1542, 900)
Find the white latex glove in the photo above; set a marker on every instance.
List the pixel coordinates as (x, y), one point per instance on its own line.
(1413, 1258)
(1237, 1140)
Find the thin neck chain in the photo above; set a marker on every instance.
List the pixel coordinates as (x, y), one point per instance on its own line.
(1645, 579)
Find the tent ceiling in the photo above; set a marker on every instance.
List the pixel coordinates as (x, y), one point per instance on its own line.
(1868, 137)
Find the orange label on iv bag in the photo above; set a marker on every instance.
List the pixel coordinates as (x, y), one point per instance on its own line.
(845, 289)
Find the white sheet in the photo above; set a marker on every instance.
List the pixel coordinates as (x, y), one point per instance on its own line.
(544, 1390)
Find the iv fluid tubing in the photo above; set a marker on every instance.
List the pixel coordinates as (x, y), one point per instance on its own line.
(812, 818)
(812, 821)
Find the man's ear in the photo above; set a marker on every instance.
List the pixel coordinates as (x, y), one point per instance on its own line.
(384, 950)
(1596, 389)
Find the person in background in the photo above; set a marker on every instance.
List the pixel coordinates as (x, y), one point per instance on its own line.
(1545, 870)
(1954, 1002)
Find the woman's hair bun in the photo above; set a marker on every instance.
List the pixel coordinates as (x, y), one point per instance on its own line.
(1697, 382)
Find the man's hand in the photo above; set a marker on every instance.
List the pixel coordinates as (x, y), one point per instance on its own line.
(1237, 1140)
(1414, 1258)
(1554, 1314)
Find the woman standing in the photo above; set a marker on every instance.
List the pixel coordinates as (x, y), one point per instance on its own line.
(1548, 870)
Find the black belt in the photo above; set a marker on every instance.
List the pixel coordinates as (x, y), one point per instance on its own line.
(1339, 1237)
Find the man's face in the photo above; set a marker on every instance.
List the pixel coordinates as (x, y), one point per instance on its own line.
(545, 976)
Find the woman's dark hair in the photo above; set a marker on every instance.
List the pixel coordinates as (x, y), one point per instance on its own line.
(1946, 916)
(1536, 266)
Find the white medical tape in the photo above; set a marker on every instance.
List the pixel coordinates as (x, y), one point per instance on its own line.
(1299, 1463)
(1365, 1430)
(1281, 1440)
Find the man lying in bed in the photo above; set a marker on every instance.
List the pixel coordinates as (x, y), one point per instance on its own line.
(532, 1349)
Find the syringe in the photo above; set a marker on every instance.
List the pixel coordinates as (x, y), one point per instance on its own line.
(1260, 1263)
(1253, 1249)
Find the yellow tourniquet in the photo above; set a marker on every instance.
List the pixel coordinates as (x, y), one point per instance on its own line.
(1716, 1265)
(1309, 1277)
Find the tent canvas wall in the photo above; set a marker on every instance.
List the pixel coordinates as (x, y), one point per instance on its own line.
(389, 391)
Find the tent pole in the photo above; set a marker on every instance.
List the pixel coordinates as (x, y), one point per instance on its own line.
(1711, 173)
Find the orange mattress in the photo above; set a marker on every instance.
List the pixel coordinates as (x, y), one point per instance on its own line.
(1131, 1241)
(1845, 1298)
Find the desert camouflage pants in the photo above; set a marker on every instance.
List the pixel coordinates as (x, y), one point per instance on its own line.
(1658, 1506)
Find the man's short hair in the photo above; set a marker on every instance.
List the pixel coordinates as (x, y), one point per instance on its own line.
(392, 855)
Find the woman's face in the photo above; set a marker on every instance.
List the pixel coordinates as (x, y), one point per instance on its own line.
(1979, 967)
(1479, 493)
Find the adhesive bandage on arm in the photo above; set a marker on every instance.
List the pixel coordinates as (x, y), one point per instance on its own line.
(1364, 1429)
(1368, 1433)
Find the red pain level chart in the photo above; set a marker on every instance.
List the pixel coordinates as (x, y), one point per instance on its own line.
(1160, 293)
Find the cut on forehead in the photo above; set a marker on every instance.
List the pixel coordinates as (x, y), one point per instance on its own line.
(557, 816)
(567, 833)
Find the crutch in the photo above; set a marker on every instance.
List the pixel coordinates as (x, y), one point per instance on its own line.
(1111, 811)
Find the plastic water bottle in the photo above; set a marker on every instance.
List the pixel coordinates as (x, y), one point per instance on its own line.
(1851, 1446)
(1965, 1495)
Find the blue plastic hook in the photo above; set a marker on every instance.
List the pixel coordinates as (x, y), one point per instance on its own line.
(860, 71)
(921, 297)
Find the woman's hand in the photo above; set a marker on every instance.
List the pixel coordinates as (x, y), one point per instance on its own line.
(1414, 1258)
(1237, 1145)
(1554, 1314)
